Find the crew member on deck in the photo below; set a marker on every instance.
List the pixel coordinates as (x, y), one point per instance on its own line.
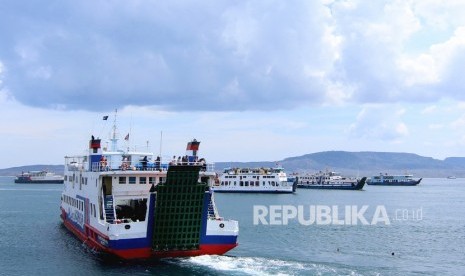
(157, 163)
(144, 162)
(103, 163)
(125, 164)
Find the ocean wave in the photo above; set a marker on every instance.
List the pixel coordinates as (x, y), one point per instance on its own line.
(263, 266)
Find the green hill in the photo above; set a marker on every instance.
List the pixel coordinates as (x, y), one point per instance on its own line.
(58, 169)
(364, 163)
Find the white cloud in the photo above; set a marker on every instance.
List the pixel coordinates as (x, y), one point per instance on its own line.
(435, 126)
(380, 123)
(233, 56)
(430, 109)
(458, 123)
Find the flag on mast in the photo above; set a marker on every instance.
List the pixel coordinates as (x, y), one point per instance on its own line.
(105, 118)
(127, 137)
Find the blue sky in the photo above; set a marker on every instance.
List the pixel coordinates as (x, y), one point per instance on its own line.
(253, 80)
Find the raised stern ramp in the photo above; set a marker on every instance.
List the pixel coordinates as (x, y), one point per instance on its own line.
(178, 210)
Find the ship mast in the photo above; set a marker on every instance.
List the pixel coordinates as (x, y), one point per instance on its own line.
(114, 139)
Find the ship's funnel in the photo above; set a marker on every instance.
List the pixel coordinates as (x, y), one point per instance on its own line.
(95, 153)
(94, 144)
(191, 150)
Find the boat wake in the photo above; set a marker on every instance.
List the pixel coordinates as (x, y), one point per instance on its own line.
(262, 266)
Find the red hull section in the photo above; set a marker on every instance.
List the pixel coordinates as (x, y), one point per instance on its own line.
(142, 253)
(146, 253)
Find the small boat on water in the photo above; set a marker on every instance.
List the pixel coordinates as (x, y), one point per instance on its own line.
(330, 180)
(254, 180)
(39, 177)
(123, 203)
(394, 180)
(451, 177)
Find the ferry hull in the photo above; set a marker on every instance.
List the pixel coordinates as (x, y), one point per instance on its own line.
(144, 252)
(359, 186)
(255, 191)
(411, 183)
(39, 181)
(328, 187)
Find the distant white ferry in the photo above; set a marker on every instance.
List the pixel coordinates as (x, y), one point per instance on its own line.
(39, 177)
(254, 180)
(393, 180)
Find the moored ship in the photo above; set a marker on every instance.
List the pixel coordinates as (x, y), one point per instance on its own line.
(136, 207)
(254, 180)
(329, 180)
(393, 180)
(39, 177)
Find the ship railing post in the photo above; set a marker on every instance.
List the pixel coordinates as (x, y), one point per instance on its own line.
(102, 206)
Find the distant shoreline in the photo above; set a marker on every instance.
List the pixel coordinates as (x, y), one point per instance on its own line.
(344, 162)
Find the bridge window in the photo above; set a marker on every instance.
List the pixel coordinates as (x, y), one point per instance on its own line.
(132, 180)
(122, 180)
(143, 180)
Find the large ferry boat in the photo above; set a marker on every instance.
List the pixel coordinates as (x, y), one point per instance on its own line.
(136, 207)
(39, 177)
(330, 180)
(393, 180)
(254, 180)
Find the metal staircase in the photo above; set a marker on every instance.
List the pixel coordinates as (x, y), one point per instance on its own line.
(109, 209)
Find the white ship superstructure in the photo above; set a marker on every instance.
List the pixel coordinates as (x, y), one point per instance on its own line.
(254, 180)
(133, 205)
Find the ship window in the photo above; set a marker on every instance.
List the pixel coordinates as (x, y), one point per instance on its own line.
(122, 180)
(241, 183)
(143, 180)
(151, 180)
(247, 183)
(132, 180)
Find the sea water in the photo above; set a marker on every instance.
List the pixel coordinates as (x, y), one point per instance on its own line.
(425, 235)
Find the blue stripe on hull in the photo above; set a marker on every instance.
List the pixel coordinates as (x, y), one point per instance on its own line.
(129, 243)
(144, 242)
(217, 239)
